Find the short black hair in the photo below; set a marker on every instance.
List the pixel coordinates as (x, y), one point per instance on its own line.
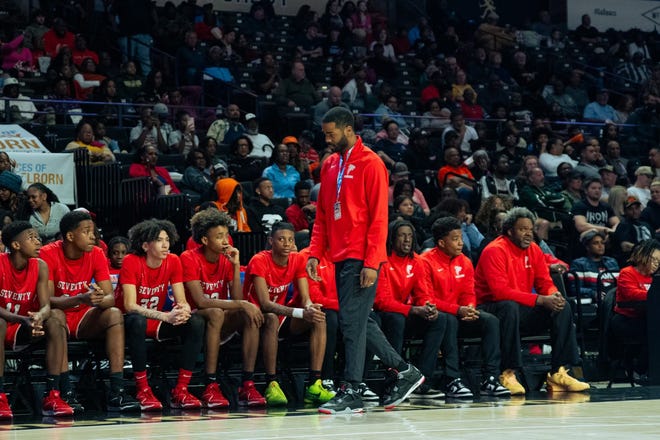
(443, 226)
(257, 182)
(71, 220)
(301, 185)
(119, 239)
(453, 206)
(341, 116)
(279, 226)
(589, 180)
(12, 230)
(147, 231)
(204, 220)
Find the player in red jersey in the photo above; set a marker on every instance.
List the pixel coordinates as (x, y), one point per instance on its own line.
(212, 278)
(269, 276)
(143, 281)
(25, 312)
(80, 282)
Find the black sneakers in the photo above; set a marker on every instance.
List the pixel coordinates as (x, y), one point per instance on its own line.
(407, 381)
(456, 389)
(70, 398)
(492, 387)
(120, 401)
(366, 394)
(347, 400)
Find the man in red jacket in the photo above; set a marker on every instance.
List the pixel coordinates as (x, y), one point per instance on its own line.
(403, 304)
(351, 229)
(451, 275)
(509, 268)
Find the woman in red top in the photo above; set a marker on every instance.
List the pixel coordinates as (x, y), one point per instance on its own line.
(629, 319)
(145, 166)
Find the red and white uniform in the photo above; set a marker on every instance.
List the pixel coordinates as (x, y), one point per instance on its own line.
(72, 277)
(151, 285)
(452, 280)
(278, 278)
(322, 292)
(508, 272)
(631, 286)
(214, 277)
(401, 285)
(360, 231)
(18, 292)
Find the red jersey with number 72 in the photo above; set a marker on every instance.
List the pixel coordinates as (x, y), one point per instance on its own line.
(150, 284)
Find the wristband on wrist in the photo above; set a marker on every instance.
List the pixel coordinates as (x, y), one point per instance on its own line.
(297, 313)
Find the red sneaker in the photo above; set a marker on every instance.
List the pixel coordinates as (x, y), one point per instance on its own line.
(5, 409)
(148, 401)
(249, 396)
(213, 397)
(181, 398)
(53, 405)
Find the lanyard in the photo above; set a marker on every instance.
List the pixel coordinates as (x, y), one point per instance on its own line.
(342, 170)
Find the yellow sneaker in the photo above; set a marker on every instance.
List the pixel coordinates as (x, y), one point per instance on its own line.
(561, 381)
(274, 395)
(509, 380)
(317, 393)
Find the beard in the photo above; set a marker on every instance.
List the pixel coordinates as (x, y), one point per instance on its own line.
(340, 146)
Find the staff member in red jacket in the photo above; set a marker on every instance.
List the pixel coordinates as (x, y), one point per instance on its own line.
(351, 229)
(509, 268)
(451, 275)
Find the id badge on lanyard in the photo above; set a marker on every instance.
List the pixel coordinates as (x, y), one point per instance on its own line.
(340, 178)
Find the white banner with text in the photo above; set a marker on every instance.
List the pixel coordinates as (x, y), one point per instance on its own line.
(621, 15)
(55, 170)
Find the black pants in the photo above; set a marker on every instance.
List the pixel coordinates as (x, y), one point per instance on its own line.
(516, 319)
(191, 334)
(332, 330)
(634, 329)
(359, 330)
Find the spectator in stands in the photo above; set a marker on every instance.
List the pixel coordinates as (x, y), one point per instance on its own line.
(34, 33)
(460, 85)
(227, 127)
(148, 132)
(563, 100)
(129, 83)
(301, 164)
(12, 197)
(144, 297)
(29, 314)
(608, 177)
(380, 63)
(466, 133)
(100, 134)
(456, 175)
(362, 27)
(589, 159)
(455, 300)
(296, 90)
(269, 275)
(436, 117)
(398, 174)
(331, 18)
(46, 211)
(382, 38)
(591, 212)
(624, 108)
(262, 145)
(80, 282)
(630, 231)
(613, 157)
(535, 197)
(471, 110)
(16, 58)
(634, 70)
(509, 269)
(262, 212)
(310, 45)
(21, 108)
(242, 166)
(357, 93)
(650, 214)
(58, 37)
(640, 188)
(599, 110)
(577, 89)
(390, 149)
(332, 100)
(99, 153)
(196, 176)
(302, 211)
(590, 266)
(571, 187)
(144, 165)
(283, 175)
(550, 160)
(497, 183)
(493, 95)
(211, 276)
(230, 200)
(135, 20)
(105, 93)
(183, 139)
(586, 33)
(389, 110)
(629, 319)
(80, 51)
(155, 87)
(267, 78)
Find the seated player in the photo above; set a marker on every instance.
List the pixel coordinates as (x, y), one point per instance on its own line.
(267, 280)
(117, 250)
(212, 279)
(451, 275)
(403, 305)
(143, 283)
(25, 312)
(80, 282)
